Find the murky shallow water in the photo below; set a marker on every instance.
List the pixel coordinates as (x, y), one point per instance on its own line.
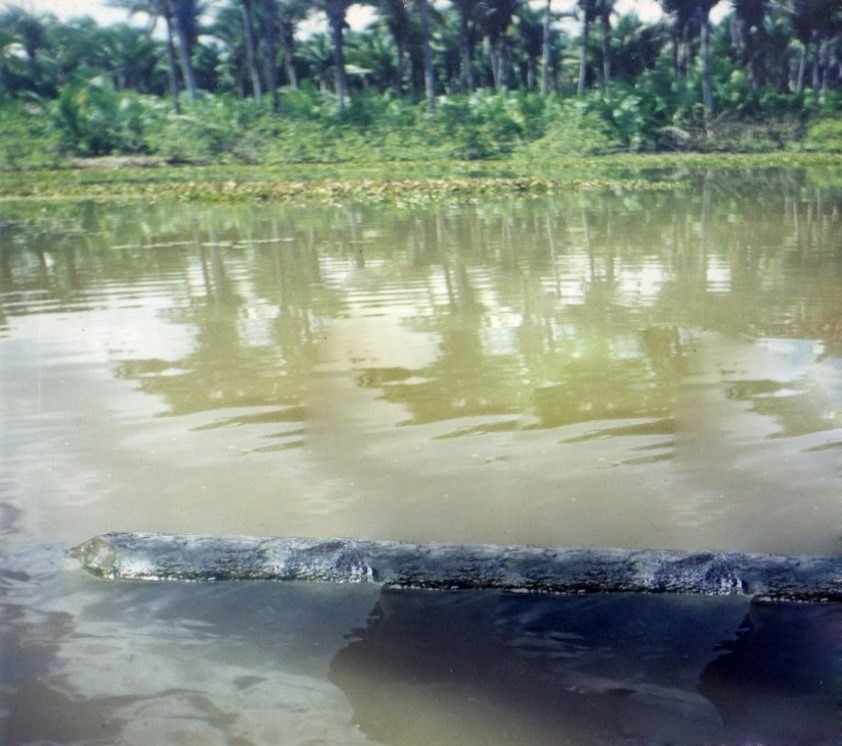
(654, 370)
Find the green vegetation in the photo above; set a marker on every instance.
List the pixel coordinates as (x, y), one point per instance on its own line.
(232, 82)
(414, 182)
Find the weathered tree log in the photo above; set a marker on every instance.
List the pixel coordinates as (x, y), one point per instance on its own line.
(451, 566)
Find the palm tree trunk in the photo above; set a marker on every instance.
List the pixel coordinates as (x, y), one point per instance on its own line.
(685, 49)
(707, 83)
(817, 65)
(546, 51)
(288, 45)
(467, 68)
(336, 16)
(583, 56)
(401, 67)
(270, 52)
(824, 54)
(752, 52)
(172, 71)
(504, 61)
(606, 50)
(802, 69)
(676, 43)
(251, 48)
(184, 52)
(429, 73)
(493, 58)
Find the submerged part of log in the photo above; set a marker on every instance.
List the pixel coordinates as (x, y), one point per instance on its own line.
(450, 566)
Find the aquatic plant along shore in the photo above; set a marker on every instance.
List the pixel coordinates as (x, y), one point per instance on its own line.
(145, 556)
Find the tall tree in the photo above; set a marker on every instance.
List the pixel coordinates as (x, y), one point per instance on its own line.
(466, 10)
(530, 33)
(682, 14)
(698, 13)
(495, 17)
(703, 8)
(317, 56)
(605, 8)
(185, 15)
(811, 21)
(155, 10)
(247, 11)
(429, 73)
(336, 10)
(546, 48)
(588, 10)
(290, 14)
(394, 15)
(751, 15)
(270, 20)
(31, 32)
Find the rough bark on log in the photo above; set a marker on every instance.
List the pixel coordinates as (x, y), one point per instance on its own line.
(449, 566)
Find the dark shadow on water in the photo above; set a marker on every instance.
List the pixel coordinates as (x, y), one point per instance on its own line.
(469, 668)
(780, 680)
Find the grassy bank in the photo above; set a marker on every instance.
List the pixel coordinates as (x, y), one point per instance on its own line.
(407, 182)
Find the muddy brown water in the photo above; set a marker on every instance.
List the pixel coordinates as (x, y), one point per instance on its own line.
(642, 370)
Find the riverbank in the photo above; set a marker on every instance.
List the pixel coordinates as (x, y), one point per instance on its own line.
(408, 182)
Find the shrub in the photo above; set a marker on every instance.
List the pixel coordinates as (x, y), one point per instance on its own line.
(824, 134)
(91, 118)
(573, 130)
(25, 137)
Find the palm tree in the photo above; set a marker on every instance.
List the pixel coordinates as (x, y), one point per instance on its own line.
(681, 12)
(697, 11)
(530, 31)
(290, 13)
(751, 15)
(374, 52)
(185, 18)
(227, 27)
(394, 15)
(30, 31)
(810, 20)
(703, 9)
(8, 42)
(336, 10)
(587, 8)
(546, 48)
(156, 9)
(317, 54)
(271, 24)
(604, 9)
(130, 54)
(247, 10)
(495, 17)
(429, 74)
(466, 10)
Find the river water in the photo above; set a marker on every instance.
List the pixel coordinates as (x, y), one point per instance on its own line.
(654, 369)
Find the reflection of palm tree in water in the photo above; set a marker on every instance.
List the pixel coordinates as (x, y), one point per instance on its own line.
(224, 369)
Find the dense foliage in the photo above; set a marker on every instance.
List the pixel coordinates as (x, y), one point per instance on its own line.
(469, 79)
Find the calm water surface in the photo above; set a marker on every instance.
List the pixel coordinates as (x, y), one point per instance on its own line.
(653, 369)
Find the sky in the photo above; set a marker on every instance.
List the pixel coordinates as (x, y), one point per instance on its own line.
(359, 16)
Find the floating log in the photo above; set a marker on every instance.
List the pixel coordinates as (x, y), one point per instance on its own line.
(452, 566)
